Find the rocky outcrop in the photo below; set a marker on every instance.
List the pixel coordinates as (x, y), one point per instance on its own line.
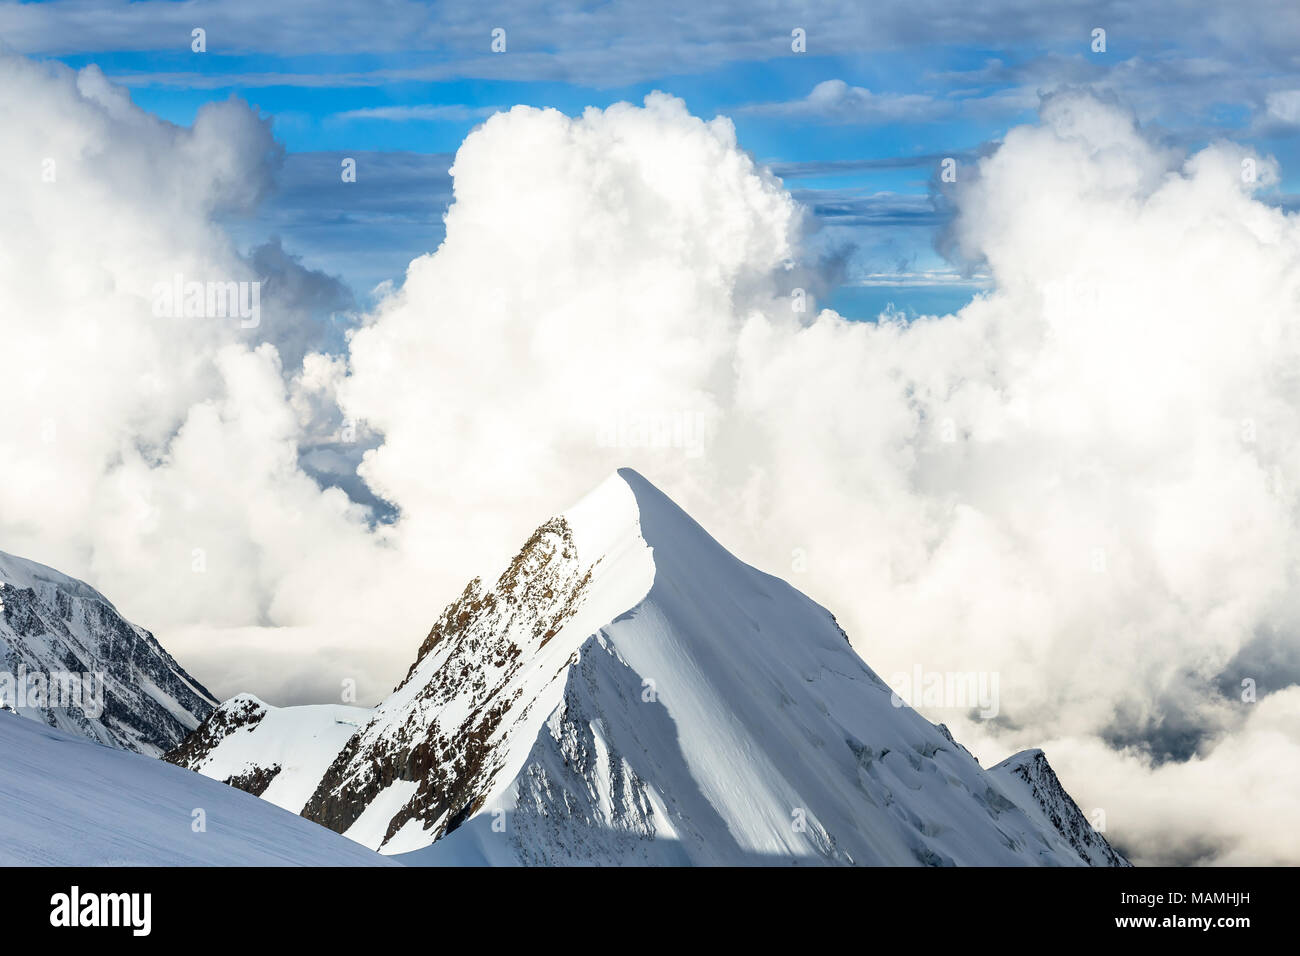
(436, 729)
(133, 694)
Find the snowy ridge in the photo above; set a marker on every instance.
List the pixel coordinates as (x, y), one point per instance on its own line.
(1029, 778)
(51, 623)
(628, 692)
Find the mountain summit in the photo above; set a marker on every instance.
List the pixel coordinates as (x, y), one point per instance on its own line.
(628, 692)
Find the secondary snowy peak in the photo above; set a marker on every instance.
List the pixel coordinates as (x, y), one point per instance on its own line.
(1030, 779)
(626, 691)
(277, 753)
(70, 660)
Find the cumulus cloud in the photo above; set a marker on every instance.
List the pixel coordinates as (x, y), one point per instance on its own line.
(159, 456)
(1231, 805)
(1085, 481)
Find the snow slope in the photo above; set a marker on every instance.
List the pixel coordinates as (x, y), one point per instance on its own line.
(628, 692)
(277, 753)
(51, 624)
(66, 801)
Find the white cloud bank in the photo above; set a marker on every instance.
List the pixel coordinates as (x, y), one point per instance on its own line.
(158, 456)
(1085, 481)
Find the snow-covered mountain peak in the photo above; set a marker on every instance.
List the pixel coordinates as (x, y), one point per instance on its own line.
(70, 660)
(577, 570)
(624, 690)
(1032, 781)
(607, 518)
(16, 572)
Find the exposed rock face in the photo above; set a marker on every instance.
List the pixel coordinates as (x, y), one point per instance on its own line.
(435, 730)
(255, 781)
(1031, 774)
(55, 626)
(238, 713)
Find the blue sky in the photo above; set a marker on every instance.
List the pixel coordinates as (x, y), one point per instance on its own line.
(855, 124)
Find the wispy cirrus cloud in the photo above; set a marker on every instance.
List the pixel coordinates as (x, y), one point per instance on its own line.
(845, 207)
(418, 113)
(368, 230)
(933, 277)
(835, 101)
(847, 167)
